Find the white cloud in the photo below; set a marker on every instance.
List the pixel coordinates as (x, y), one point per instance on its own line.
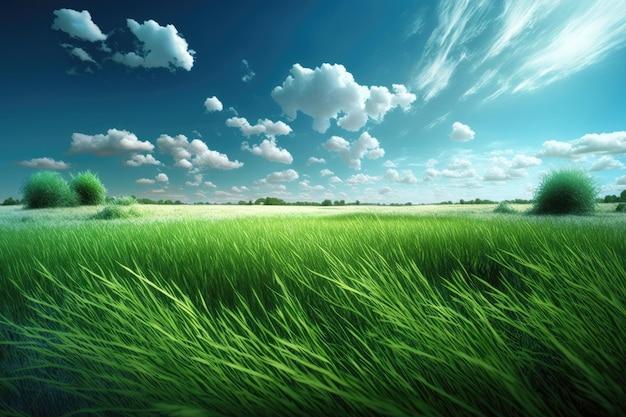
(365, 146)
(313, 160)
(78, 25)
(249, 74)
(144, 181)
(389, 164)
(270, 151)
(161, 47)
(606, 163)
(282, 176)
(182, 151)
(583, 38)
(114, 142)
(45, 163)
(334, 180)
(213, 104)
(407, 176)
(161, 177)
(306, 184)
(265, 126)
(206, 157)
(361, 179)
(590, 144)
(138, 159)
(458, 168)
(621, 180)
(522, 161)
(385, 189)
(502, 169)
(209, 184)
(197, 181)
(459, 23)
(528, 46)
(461, 132)
(238, 190)
(330, 92)
(326, 172)
(79, 53)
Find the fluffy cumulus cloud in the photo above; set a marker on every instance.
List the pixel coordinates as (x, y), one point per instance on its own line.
(78, 25)
(138, 160)
(160, 47)
(196, 182)
(114, 142)
(330, 92)
(269, 150)
(457, 168)
(621, 180)
(606, 163)
(44, 163)
(406, 177)
(160, 178)
(502, 169)
(282, 176)
(79, 53)
(361, 179)
(365, 146)
(313, 160)
(265, 127)
(461, 132)
(212, 104)
(590, 144)
(306, 185)
(194, 154)
(326, 172)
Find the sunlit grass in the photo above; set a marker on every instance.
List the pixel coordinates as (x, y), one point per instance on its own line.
(351, 314)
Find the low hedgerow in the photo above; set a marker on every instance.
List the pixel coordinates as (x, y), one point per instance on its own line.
(621, 208)
(566, 191)
(46, 189)
(116, 212)
(88, 189)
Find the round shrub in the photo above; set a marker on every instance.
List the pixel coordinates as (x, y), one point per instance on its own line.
(88, 189)
(566, 191)
(116, 212)
(124, 200)
(621, 208)
(47, 189)
(504, 208)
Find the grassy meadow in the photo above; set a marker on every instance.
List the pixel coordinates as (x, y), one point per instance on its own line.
(289, 311)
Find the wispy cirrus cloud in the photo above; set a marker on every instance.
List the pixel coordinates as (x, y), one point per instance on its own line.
(515, 46)
(459, 23)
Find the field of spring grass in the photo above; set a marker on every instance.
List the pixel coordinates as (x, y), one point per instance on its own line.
(288, 311)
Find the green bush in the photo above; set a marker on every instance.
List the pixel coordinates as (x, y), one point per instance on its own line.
(124, 200)
(47, 189)
(116, 212)
(621, 208)
(504, 208)
(566, 191)
(88, 189)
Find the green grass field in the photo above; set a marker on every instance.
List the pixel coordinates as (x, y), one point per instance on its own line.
(288, 311)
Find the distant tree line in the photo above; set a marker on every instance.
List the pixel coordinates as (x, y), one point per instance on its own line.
(615, 199)
(11, 202)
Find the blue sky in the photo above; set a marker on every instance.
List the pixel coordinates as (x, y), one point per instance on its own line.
(377, 101)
